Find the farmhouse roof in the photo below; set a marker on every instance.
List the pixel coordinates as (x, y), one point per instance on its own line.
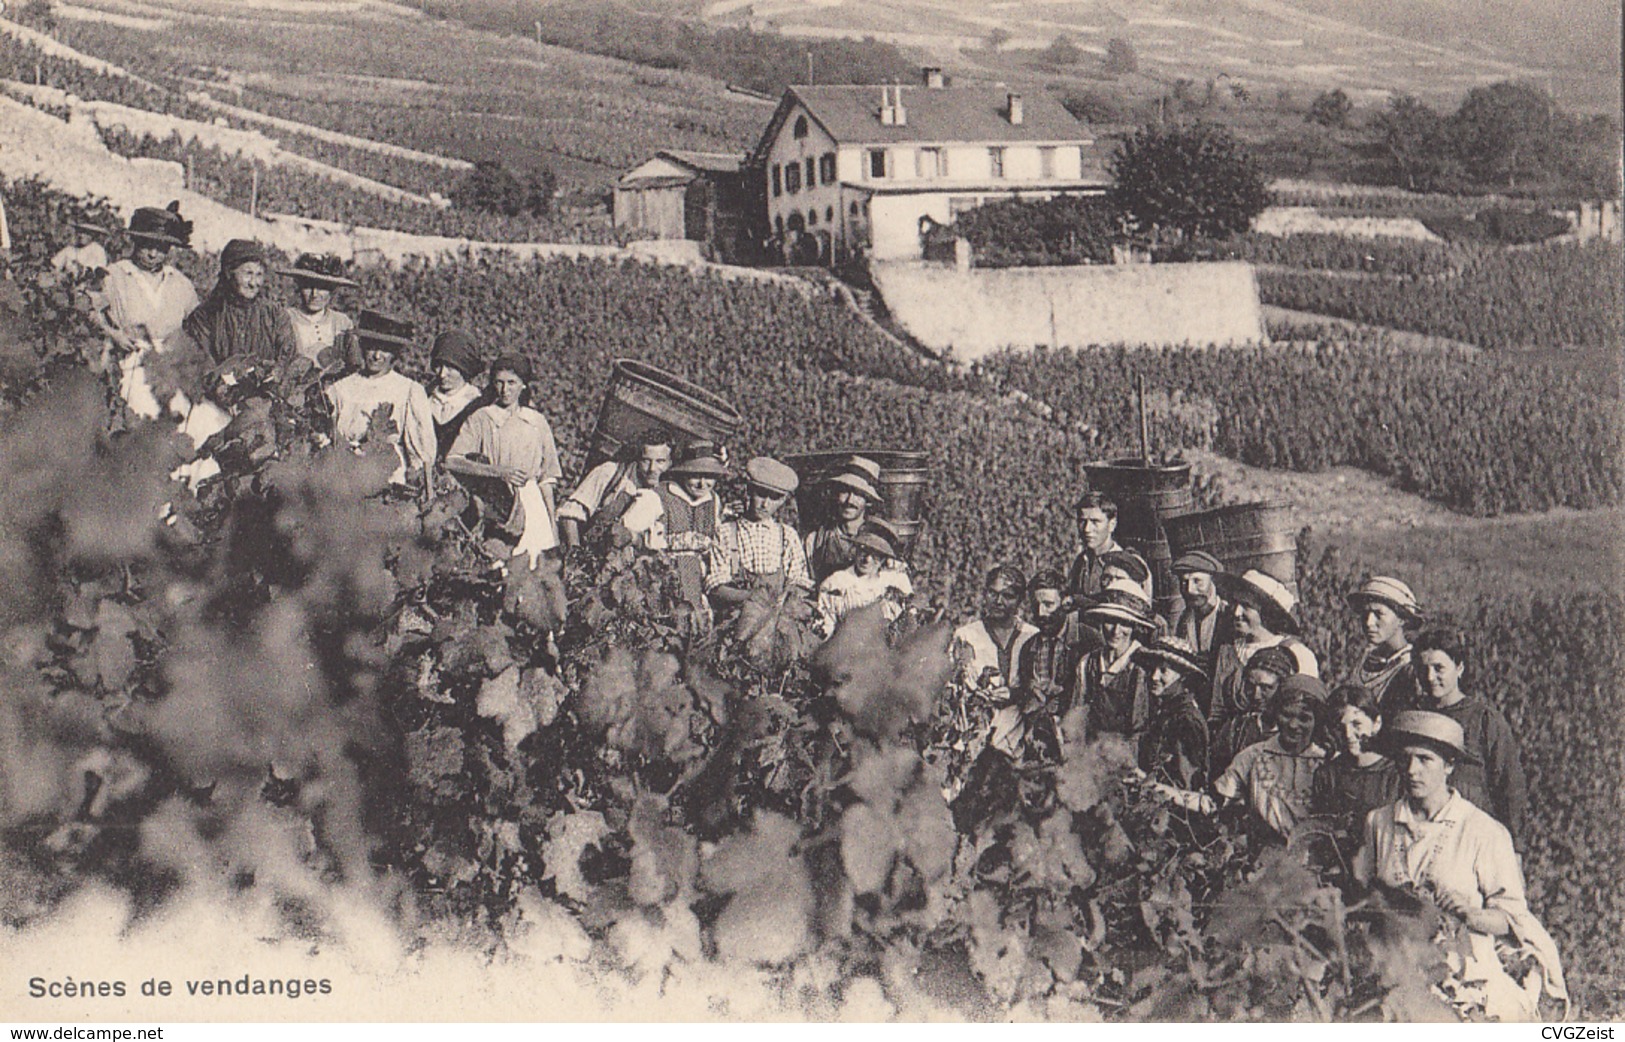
(851, 115)
(711, 162)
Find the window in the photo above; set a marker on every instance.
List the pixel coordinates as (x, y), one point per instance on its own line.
(995, 159)
(829, 215)
(812, 171)
(1046, 162)
(778, 224)
(877, 162)
(826, 168)
(800, 129)
(930, 162)
(778, 180)
(853, 209)
(812, 217)
(792, 178)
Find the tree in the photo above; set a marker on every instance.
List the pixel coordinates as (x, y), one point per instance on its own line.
(1121, 57)
(1417, 140)
(1505, 131)
(1331, 108)
(1062, 51)
(1182, 181)
(997, 37)
(492, 187)
(1093, 107)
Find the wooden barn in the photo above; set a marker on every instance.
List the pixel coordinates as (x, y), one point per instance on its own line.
(686, 195)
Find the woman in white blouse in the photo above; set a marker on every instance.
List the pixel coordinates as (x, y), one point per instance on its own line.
(1436, 844)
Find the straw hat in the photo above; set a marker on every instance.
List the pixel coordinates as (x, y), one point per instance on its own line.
(1121, 601)
(319, 270)
(698, 459)
(87, 226)
(1383, 589)
(855, 482)
(1265, 593)
(1420, 727)
(863, 465)
(876, 540)
(1173, 651)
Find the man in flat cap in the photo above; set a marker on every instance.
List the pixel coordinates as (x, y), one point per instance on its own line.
(757, 545)
(1205, 619)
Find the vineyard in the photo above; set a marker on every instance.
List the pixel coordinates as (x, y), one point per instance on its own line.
(1482, 435)
(436, 88)
(234, 181)
(1560, 297)
(295, 685)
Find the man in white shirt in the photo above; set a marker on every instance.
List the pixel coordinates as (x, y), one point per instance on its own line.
(609, 488)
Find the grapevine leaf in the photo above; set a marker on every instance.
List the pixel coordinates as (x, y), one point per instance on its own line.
(665, 861)
(434, 756)
(869, 842)
(499, 700)
(768, 918)
(569, 834)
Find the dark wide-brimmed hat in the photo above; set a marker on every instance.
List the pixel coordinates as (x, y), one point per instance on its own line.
(375, 329)
(324, 270)
(771, 476)
(1420, 727)
(1173, 651)
(1197, 561)
(1121, 601)
(1269, 595)
(163, 226)
(698, 459)
(1383, 589)
(456, 349)
(876, 540)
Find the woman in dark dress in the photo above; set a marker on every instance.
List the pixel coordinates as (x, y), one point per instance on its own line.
(1358, 779)
(1174, 749)
(1112, 687)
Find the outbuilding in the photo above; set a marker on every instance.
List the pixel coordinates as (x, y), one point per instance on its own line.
(685, 195)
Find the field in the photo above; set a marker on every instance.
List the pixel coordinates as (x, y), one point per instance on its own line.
(433, 675)
(391, 74)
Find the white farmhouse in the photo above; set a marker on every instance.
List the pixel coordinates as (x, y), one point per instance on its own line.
(860, 169)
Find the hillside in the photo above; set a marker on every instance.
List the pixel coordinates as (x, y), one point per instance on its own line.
(1431, 49)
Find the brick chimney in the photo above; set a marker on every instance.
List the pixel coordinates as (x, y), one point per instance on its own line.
(1013, 109)
(931, 76)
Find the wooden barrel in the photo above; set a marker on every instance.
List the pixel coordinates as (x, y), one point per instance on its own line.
(1248, 535)
(643, 400)
(1146, 496)
(904, 477)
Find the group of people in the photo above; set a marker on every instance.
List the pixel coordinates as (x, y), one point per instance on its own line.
(664, 494)
(1395, 770)
(1223, 704)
